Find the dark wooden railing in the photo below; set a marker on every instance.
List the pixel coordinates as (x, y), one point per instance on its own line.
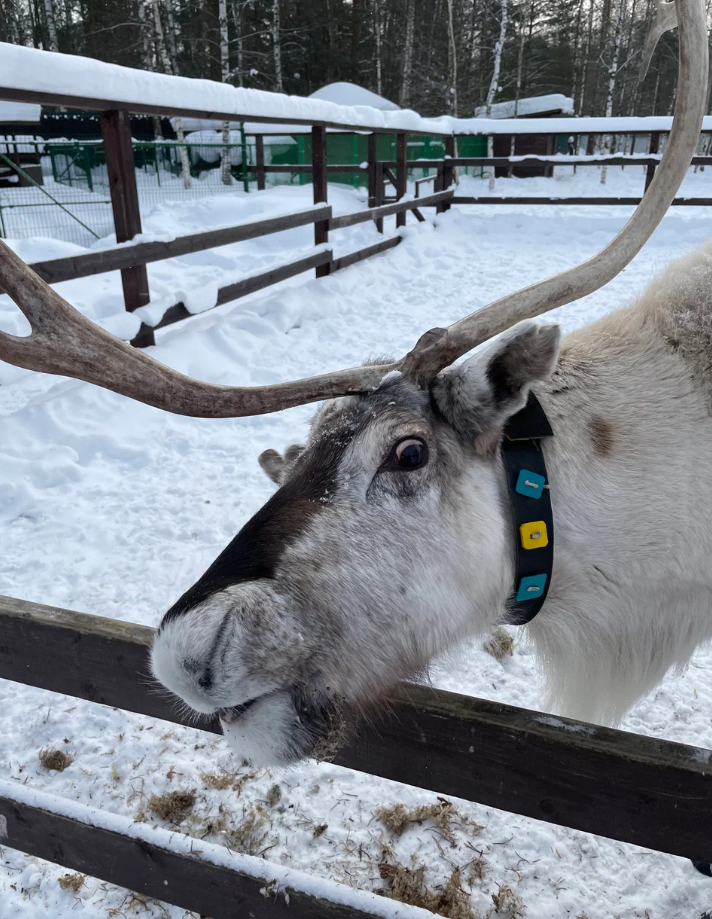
(631, 788)
(134, 255)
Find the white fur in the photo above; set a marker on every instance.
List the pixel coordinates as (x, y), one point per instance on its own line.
(382, 579)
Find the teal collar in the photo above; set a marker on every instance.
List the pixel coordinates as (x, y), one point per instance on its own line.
(530, 502)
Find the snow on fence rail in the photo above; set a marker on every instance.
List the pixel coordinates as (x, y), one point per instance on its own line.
(635, 789)
(170, 866)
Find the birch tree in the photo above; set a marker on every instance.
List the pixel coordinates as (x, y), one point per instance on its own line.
(225, 75)
(408, 55)
(377, 38)
(613, 74)
(148, 60)
(169, 67)
(494, 82)
(51, 25)
(277, 46)
(524, 23)
(452, 56)
(239, 41)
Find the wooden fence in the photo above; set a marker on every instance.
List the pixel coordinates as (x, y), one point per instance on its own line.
(634, 789)
(136, 256)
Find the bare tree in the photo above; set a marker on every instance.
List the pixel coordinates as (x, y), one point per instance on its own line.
(498, 49)
(51, 25)
(525, 21)
(169, 67)
(613, 72)
(277, 46)
(377, 35)
(237, 8)
(452, 56)
(148, 58)
(225, 75)
(494, 82)
(408, 54)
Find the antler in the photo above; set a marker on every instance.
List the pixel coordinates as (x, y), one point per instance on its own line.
(63, 341)
(445, 345)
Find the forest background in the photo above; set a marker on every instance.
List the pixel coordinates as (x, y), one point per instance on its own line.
(456, 57)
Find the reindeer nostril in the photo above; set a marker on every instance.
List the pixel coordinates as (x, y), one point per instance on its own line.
(206, 680)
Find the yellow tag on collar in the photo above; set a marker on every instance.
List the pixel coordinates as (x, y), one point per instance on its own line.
(533, 535)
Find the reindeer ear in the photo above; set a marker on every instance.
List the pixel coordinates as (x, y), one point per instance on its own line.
(277, 466)
(478, 396)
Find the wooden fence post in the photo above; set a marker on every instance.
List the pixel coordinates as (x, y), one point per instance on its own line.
(260, 161)
(375, 178)
(447, 169)
(652, 148)
(118, 152)
(401, 174)
(319, 180)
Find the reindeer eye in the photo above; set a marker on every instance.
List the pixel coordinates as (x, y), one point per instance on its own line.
(408, 454)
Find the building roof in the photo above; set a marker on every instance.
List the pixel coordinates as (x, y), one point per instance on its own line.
(351, 94)
(551, 104)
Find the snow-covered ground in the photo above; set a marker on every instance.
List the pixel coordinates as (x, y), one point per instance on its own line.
(113, 508)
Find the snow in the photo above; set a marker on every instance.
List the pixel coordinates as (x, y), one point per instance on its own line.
(351, 94)
(49, 72)
(280, 880)
(589, 125)
(534, 105)
(114, 508)
(14, 112)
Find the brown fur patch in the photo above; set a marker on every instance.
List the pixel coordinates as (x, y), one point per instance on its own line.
(601, 436)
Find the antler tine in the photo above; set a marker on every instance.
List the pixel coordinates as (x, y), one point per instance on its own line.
(65, 342)
(440, 347)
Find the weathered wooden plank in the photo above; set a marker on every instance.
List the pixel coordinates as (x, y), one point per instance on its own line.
(249, 285)
(447, 171)
(401, 175)
(635, 789)
(386, 210)
(167, 866)
(352, 257)
(372, 171)
(82, 266)
(492, 199)
(651, 167)
(118, 152)
(319, 181)
(89, 103)
(308, 168)
(260, 161)
(534, 160)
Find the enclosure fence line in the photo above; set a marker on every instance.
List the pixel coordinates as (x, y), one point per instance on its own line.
(628, 787)
(118, 153)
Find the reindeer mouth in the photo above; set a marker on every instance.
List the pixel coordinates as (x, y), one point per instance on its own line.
(235, 712)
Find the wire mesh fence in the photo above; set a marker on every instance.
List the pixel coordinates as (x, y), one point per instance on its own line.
(60, 189)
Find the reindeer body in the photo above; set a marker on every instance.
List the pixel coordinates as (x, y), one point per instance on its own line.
(630, 468)
(358, 571)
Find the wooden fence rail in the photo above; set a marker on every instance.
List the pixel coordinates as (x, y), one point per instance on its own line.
(635, 789)
(386, 210)
(539, 199)
(128, 256)
(140, 254)
(169, 866)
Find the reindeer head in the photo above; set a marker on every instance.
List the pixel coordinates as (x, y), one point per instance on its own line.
(386, 540)
(385, 543)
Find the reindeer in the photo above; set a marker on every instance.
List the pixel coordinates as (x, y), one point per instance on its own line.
(389, 539)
